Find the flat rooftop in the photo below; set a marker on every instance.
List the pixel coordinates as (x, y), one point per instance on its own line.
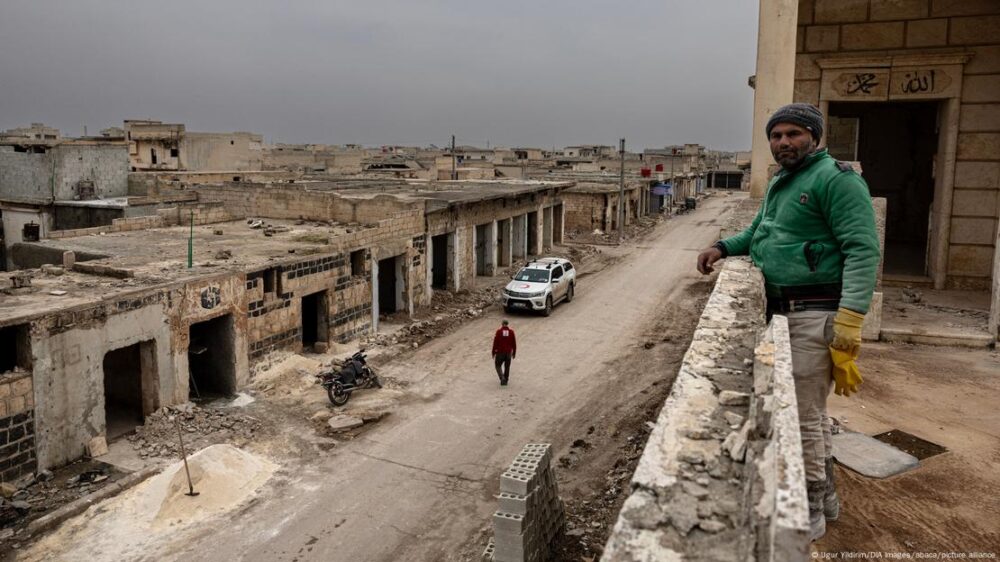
(158, 256)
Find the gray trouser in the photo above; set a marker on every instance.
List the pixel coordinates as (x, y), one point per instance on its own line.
(811, 332)
(502, 363)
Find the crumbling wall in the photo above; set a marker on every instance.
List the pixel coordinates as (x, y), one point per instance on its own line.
(718, 479)
(104, 164)
(17, 426)
(68, 351)
(585, 212)
(294, 201)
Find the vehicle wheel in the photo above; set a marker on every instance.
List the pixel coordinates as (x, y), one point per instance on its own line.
(337, 396)
(569, 294)
(508, 309)
(548, 306)
(376, 382)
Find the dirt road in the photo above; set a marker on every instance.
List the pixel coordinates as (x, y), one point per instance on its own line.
(420, 484)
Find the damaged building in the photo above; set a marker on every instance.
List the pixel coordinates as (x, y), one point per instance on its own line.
(154, 145)
(104, 325)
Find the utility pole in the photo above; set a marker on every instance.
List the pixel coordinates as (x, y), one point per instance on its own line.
(454, 172)
(621, 192)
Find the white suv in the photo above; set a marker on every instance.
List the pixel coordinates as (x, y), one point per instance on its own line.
(540, 285)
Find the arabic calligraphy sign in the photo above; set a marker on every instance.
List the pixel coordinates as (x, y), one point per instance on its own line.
(862, 83)
(924, 82)
(881, 84)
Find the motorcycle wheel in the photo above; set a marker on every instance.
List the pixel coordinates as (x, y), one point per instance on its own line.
(338, 399)
(377, 382)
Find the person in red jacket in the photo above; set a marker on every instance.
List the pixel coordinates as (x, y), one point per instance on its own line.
(504, 349)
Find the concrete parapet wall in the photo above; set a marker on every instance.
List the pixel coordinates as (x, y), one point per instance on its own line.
(714, 481)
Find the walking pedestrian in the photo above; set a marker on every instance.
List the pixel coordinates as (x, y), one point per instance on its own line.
(814, 240)
(504, 350)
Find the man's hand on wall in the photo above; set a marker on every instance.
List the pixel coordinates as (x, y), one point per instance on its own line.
(708, 257)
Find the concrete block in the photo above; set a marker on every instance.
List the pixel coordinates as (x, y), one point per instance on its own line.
(975, 30)
(822, 38)
(840, 11)
(514, 503)
(68, 259)
(968, 230)
(864, 36)
(981, 89)
(515, 483)
(21, 387)
(870, 457)
(508, 523)
(927, 33)
(980, 117)
(986, 60)
(943, 8)
(981, 203)
(4, 390)
(733, 398)
(978, 146)
(489, 551)
(899, 9)
(977, 174)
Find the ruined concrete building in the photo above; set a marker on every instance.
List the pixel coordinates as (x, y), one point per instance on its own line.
(104, 325)
(52, 183)
(154, 145)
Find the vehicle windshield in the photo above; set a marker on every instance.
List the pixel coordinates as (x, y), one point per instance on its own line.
(533, 275)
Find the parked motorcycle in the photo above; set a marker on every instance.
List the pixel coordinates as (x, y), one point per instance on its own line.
(351, 375)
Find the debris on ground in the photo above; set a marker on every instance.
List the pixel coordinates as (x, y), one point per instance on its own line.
(157, 437)
(47, 491)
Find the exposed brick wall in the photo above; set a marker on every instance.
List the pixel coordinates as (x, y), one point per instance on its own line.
(17, 427)
(882, 28)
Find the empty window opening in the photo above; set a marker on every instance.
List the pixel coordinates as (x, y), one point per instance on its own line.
(129, 387)
(237, 178)
(272, 281)
(232, 142)
(439, 262)
(358, 263)
(174, 153)
(211, 359)
(152, 155)
(15, 349)
(315, 314)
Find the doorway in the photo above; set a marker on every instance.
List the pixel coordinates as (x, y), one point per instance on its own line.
(481, 239)
(315, 314)
(212, 359)
(129, 387)
(896, 144)
(390, 282)
(503, 242)
(439, 261)
(533, 232)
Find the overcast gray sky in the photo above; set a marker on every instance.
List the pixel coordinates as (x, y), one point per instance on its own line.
(513, 72)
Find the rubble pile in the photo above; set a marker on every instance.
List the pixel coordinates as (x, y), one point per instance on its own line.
(200, 426)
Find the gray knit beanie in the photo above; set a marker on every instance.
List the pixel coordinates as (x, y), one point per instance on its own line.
(801, 114)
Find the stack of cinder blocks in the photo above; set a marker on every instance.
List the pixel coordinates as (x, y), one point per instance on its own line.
(530, 513)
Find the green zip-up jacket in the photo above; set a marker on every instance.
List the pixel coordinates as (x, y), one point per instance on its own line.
(816, 226)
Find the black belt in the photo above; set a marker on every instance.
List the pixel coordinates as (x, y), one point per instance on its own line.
(783, 305)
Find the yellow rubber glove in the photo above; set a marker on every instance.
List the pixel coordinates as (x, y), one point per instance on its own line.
(847, 331)
(846, 376)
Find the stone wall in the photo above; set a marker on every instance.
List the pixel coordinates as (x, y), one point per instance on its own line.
(718, 479)
(586, 212)
(55, 174)
(17, 426)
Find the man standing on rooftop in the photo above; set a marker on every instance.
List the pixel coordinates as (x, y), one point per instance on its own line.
(814, 240)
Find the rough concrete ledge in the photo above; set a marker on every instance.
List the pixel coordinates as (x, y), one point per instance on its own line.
(775, 475)
(687, 490)
(721, 477)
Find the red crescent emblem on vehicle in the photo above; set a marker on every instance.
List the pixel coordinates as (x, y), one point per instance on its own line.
(525, 286)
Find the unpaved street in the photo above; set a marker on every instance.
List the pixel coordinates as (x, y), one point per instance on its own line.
(420, 484)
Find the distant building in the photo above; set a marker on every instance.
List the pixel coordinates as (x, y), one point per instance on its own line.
(157, 146)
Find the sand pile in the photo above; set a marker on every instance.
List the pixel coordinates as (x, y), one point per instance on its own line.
(123, 527)
(223, 475)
